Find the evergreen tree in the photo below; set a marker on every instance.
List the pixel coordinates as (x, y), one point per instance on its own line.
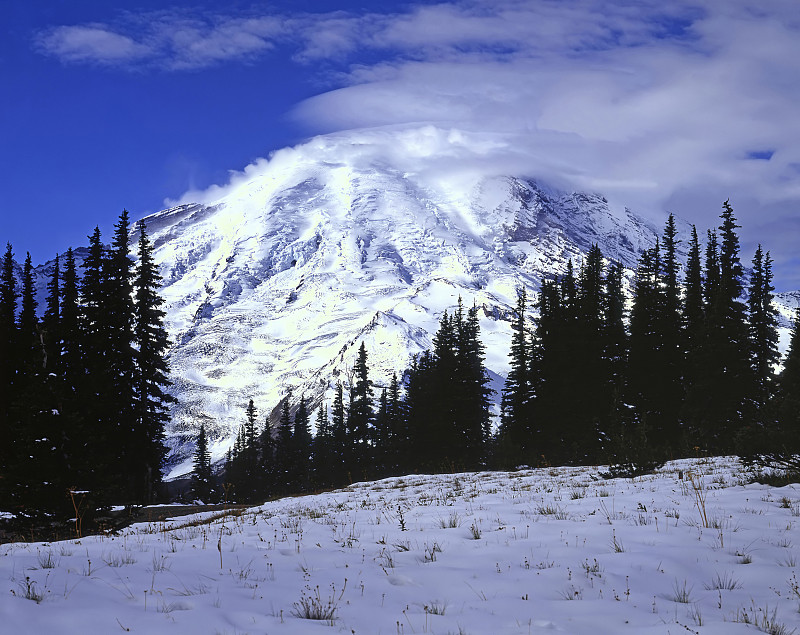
(150, 373)
(591, 371)
(763, 321)
(30, 346)
(322, 449)
(8, 312)
(359, 420)
(266, 479)
(29, 439)
(551, 347)
(615, 336)
(339, 438)
(422, 451)
(781, 447)
(789, 388)
(472, 408)
(71, 364)
(201, 474)
(693, 302)
(646, 347)
(381, 436)
(672, 356)
(123, 413)
(515, 426)
(52, 321)
(71, 373)
(284, 459)
(301, 448)
(9, 450)
(94, 445)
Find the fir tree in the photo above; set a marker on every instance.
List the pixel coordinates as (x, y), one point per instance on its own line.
(151, 370)
(339, 439)
(322, 449)
(359, 420)
(91, 456)
(763, 321)
(267, 470)
(201, 474)
(123, 412)
(284, 458)
(52, 321)
(471, 380)
(301, 448)
(8, 312)
(518, 389)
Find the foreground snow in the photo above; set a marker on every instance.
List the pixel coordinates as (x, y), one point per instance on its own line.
(549, 550)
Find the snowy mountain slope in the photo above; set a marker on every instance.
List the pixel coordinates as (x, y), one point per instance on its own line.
(272, 286)
(271, 283)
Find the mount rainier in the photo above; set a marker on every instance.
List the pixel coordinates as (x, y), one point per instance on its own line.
(272, 282)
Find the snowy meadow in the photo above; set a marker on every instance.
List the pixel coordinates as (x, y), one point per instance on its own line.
(692, 548)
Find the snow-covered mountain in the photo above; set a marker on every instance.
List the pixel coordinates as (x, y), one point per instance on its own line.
(272, 283)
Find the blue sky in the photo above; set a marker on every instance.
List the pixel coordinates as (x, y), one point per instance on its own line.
(662, 108)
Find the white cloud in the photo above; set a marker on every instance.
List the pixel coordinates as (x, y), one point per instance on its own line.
(658, 105)
(92, 44)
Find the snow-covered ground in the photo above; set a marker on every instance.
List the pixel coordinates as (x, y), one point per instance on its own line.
(535, 551)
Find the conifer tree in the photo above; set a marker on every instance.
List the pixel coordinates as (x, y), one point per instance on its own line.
(201, 474)
(422, 451)
(52, 321)
(122, 412)
(339, 438)
(615, 336)
(788, 398)
(693, 302)
(646, 346)
(359, 419)
(301, 448)
(72, 367)
(551, 346)
(267, 468)
(591, 367)
(733, 390)
(150, 373)
(95, 444)
(763, 321)
(472, 408)
(322, 449)
(381, 436)
(30, 347)
(694, 326)
(71, 373)
(284, 458)
(8, 312)
(518, 389)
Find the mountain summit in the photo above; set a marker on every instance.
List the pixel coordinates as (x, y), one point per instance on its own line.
(272, 283)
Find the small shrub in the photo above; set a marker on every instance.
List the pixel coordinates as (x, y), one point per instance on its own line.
(451, 522)
(763, 620)
(28, 591)
(681, 593)
(436, 607)
(311, 606)
(46, 560)
(724, 582)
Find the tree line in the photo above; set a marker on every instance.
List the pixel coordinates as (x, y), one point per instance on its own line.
(435, 418)
(83, 398)
(686, 366)
(689, 368)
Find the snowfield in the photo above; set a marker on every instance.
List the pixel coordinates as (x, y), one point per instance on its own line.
(688, 549)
